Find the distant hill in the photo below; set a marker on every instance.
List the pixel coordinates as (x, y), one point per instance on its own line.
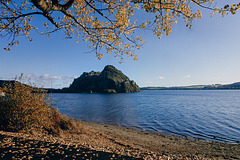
(110, 80)
(197, 87)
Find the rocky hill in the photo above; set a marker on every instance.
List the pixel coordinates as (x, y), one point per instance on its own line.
(110, 80)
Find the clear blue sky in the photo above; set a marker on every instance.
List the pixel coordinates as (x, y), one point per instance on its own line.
(208, 53)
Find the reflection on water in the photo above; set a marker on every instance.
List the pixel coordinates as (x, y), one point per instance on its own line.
(103, 108)
(210, 115)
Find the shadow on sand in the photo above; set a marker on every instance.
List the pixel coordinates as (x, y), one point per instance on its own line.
(19, 148)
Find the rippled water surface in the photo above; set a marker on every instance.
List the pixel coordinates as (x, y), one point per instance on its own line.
(212, 115)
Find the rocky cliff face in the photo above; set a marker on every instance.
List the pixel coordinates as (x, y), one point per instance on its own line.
(110, 80)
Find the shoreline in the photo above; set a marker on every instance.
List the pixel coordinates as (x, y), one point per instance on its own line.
(171, 144)
(122, 141)
(188, 137)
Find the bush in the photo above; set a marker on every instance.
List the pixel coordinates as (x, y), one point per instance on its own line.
(59, 122)
(25, 107)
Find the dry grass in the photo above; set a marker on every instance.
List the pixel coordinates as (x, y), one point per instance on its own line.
(24, 108)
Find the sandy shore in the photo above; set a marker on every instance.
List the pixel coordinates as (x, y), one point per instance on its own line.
(101, 141)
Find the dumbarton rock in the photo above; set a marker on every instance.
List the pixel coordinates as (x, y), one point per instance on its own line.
(110, 80)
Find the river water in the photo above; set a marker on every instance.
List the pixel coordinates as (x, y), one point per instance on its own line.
(204, 114)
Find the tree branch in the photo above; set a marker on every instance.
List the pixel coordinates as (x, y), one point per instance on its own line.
(98, 11)
(203, 5)
(49, 17)
(42, 5)
(67, 5)
(22, 15)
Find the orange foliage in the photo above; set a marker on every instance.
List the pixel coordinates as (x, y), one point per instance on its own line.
(104, 24)
(24, 108)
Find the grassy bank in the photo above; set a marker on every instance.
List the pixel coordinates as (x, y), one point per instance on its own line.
(24, 108)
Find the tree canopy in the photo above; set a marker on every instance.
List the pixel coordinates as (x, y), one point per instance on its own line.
(107, 25)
